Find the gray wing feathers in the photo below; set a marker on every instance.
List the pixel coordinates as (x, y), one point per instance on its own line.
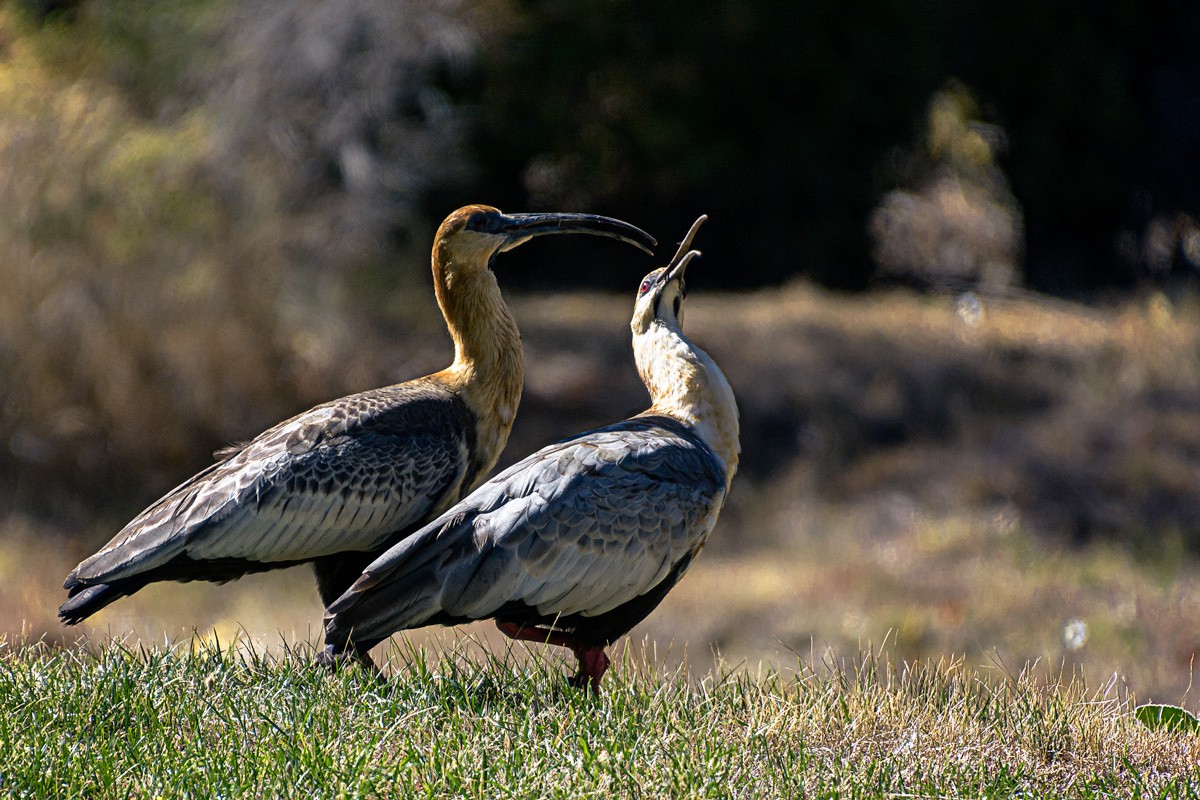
(340, 477)
(579, 527)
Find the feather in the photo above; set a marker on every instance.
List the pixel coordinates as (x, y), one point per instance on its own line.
(516, 538)
(280, 498)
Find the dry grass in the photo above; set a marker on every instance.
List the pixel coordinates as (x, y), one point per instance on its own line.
(153, 308)
(892, 490)
(1086, 421)
(981, 589)
(198, 721)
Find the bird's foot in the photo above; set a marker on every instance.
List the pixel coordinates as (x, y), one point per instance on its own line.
(592, 660)
(333, 659)
(593, 663)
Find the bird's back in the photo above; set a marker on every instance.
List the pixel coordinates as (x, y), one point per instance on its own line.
(578, 529)
(342, 476)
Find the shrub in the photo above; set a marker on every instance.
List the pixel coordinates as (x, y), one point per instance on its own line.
(960, 226)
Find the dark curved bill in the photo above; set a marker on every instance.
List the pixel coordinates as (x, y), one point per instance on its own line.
(683, 255)
(676, 268)
(520, 228)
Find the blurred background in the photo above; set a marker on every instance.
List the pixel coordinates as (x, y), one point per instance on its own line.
(951, 270)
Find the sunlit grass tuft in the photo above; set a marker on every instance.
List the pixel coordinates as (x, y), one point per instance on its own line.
(209, 720)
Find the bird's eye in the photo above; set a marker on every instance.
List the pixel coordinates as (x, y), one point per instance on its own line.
(645, 287)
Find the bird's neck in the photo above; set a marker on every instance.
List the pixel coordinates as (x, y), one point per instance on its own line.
(687, 385)
(489, 366)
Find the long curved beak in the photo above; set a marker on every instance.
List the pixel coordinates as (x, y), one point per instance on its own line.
(677, 268)
(683, 255)
(520, 228)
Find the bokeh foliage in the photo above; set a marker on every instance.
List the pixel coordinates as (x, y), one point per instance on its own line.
(212, 214)
(788, 120)
(160, 294)
(784, 119)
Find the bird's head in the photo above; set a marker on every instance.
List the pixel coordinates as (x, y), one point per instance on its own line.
(661, 293)
(474, 234)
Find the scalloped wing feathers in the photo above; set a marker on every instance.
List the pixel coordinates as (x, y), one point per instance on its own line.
(580, 527)
(340, 477)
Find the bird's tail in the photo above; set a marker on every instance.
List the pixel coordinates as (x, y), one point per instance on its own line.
(378, 615)
(83, 601)
(395, 592)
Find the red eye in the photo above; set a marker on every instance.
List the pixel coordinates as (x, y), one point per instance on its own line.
(645, 287)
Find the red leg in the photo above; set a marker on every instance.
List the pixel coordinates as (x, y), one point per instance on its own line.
(532, 633)
(592, 661)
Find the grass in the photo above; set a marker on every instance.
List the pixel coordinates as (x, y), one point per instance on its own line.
(823, 580)
(942, 537)
(1004, 487)
(199, 720)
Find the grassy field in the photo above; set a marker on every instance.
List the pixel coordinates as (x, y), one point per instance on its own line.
(996, 495)
(1007, 482)
(198, 721)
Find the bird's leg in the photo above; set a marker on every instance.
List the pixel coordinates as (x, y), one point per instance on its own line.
(532, 633)
(337, 572)
(363, 657)
(332, 659)
(592, 661)
(343, 650)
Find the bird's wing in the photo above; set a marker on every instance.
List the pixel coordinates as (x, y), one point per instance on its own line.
(342, 476)
(579, 527)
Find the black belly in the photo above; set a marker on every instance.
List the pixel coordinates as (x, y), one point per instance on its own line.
(600, 630)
